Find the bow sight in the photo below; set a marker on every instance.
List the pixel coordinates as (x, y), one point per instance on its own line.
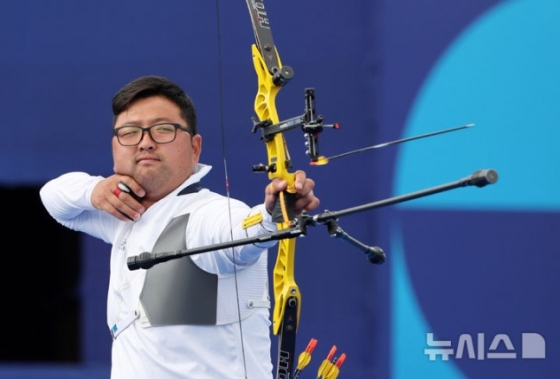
(310, 124)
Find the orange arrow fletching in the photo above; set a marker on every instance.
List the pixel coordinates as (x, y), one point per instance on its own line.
(321, 161)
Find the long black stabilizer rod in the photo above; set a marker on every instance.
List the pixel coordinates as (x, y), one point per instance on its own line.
(146, 260)
(479, 178)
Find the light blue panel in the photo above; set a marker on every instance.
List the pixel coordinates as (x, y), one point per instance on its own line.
(502, 74)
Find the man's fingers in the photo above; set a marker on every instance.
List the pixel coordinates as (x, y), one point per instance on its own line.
(111, 206)
(301, 184)
(120, 215)
(307, 203)
(300, 180)
(125, 204)
(115, 197)
(132, 188)
(305, 197)
(277, 185)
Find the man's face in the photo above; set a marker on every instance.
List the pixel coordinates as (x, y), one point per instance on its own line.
(158, 168)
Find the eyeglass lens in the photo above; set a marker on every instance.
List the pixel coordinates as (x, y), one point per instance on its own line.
(132, 135)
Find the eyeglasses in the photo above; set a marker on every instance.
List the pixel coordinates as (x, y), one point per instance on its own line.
(159, 133)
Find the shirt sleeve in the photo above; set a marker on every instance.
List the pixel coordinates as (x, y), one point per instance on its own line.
(221, 221)
(68, 200)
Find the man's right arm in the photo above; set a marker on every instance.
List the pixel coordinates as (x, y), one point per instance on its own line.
(68, 200)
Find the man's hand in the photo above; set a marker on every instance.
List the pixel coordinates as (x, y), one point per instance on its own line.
(306, 199)
(108, 197)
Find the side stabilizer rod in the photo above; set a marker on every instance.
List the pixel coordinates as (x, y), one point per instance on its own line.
(479, 178)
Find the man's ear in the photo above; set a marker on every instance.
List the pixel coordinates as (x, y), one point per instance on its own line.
(196, 146)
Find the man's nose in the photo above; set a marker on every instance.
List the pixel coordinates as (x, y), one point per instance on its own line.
(147, 142)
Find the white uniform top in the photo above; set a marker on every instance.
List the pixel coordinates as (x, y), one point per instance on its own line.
(179, 351)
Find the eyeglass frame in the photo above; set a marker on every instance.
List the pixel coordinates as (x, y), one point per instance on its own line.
(148, 129)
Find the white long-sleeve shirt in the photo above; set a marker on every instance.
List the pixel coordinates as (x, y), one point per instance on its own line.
(179, 351)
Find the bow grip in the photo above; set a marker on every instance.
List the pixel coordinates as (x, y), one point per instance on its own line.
(285, 203)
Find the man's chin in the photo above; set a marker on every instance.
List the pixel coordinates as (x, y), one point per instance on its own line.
(144, 175)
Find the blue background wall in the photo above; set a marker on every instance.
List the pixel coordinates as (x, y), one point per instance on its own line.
(469, 261)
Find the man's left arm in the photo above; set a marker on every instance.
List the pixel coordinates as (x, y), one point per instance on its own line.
(230, 220)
